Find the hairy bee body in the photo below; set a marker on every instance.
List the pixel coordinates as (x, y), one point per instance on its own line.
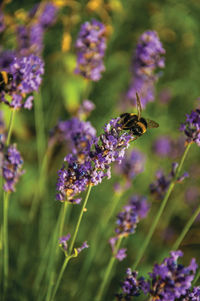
(135, 123)
(5, 79)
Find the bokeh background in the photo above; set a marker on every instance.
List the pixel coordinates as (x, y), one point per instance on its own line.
(177, 93)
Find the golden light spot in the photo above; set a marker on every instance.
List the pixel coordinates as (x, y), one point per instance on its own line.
(66, 42)
(94, 5)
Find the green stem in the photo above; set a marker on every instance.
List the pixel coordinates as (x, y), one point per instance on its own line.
(160, 211)
(106, 280)
(186, 229)
(10, 127)
(79, 220)
(60, 277)
(196, 277)
(54, 250)
(39, 125)
(5, 239)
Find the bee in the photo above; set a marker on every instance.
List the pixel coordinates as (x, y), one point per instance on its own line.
(5, 79)
(135, 123)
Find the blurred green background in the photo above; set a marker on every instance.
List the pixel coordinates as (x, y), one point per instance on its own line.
(178, 26)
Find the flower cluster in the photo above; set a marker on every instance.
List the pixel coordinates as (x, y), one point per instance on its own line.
(127, 221)
(11, 166)
(131, 165)
(91, 168)
(24, 77)
(191, 127)
(168, 281)
(63, 243)
(91, 45)
(76, 134)
(30, 37)
(160, 186)
(147, 59)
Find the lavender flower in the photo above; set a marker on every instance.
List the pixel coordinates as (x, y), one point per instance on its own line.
(11, 167)
(91, 45)
(160, 186)
(30, 37)
(76, 134)
(2, 23)
(127, 221)
(171, 280)
(132, 286)
(162, 146)
(147, 59)
(63, 242)
(191, 127)
(168, 281)
(132, 164)
(85, 109)
(26, 78)
(94, 166)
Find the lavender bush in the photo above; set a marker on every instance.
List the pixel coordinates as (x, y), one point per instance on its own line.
(68, 166)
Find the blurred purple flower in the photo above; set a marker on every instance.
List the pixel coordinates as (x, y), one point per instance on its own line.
(127, 220)
(91, 45)
(11, 166)
(26, 78)
(160, 186)
(191, 127)
(193, 295)
(165, 95)
(162, 146)
(2, 22)
(147, 58)
(131, 165)
(94, 166)
(85, 109)
(63, 242)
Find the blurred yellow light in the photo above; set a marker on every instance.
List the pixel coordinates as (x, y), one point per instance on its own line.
(94, 4)
(66, 42)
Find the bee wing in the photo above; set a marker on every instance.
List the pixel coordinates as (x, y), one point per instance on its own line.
(139, 107)
(152, 124)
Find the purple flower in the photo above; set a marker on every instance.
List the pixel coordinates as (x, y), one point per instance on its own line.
(162, 146)
(168, 281)
(63, 242)
(132, 286)
(171, 280)
(160, 186)
(26, 75)
(128, 219)
(11, 166)
(191, 127)
(95, 164)
(2, 23)
(147, 58)
(91, 45)
(131, 165)
(85, 109)
(76, 134)
(30, 37)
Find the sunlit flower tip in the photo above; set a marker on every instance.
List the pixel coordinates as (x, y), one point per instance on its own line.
(91, 45)
(63, 241)
(132, 286)
(84, 246)
(182, 178)
(191, 127)
(11, 167)
(147, 58)
(121, 253)
(170, 280)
